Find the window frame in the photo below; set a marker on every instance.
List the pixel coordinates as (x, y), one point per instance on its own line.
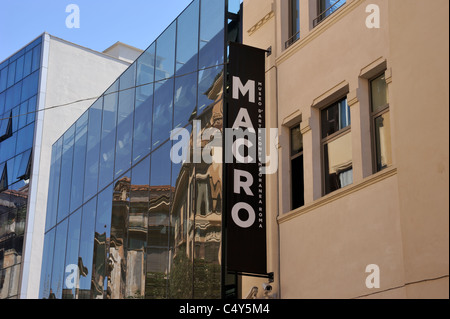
(330, 138)
(373, 116)
(293, 157)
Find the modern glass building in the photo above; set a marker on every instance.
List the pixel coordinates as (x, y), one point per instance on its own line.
(123, 221)
(19, 83)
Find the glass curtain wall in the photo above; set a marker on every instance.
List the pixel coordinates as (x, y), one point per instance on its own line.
(19, 82)
(137, 225)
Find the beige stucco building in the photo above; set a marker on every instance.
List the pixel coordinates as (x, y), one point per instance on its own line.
(375, 185)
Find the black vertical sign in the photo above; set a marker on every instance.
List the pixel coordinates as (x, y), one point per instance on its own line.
(245, 185)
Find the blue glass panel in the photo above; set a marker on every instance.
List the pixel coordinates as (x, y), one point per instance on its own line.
(211, 33)
(3, 79)
(23, 114)
(56, 286)
(142, 122)
(146, 66)
(30, 86)
(86, 248)
(8, 148)
(15, 118)
(93, 149)
(124, 132)
(187, 39)
(25, 138)
(52, 199)
(2, 102)
(185, 100)
(27, 63)
(13, 96)
(11, 74)
(36, 61)
(128, 78)
(31, 109)
(23, 167)
(165, 53)
(162, 112)
(79, 158)
(108, 142)
(71, 262)
(19, 68)
(102, 237)
(47, 264)
(66, 173)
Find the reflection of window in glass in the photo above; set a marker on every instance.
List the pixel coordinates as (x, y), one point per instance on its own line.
(162, 112)
(336, 146)
(165, 53)
(294, 22)
(85, 258)
(297, 176)
(381, 123)
(23, 171)
(326, 8)
(142, 122)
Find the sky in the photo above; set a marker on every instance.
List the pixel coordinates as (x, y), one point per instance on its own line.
(102, 22)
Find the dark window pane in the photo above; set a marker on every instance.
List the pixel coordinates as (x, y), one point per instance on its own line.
(56, 287)
(383, 141)
(55, 171)
(29, 86)
(187, 39)
(142, 122)
(162, 112)
(71, 273)
(13, 93)
(108, 141)
(66, 174)
(124, 140)
(85, 258)
(2, 103)
(6, 126)
(93, 148)
(8, 148)
(297, 181)
(23, 169)
(165, 53)
(79, 159)
(47, 265)
(101, 243)
(185, 99)
(295, 18)
(23, 110)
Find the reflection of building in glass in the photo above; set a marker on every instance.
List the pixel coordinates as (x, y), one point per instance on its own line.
(149, 228)
(32, 80)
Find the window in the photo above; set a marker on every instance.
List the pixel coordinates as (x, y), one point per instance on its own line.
(3, 180)
(336, 146)
(6, 127)
(381, 124)
(294, 22)
(24, 166)
(297, 176)
(326, 8)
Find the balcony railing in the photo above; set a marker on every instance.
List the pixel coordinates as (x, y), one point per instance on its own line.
(292, 40)
(323, 15)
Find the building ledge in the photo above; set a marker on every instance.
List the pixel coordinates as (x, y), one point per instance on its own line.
(373, 179)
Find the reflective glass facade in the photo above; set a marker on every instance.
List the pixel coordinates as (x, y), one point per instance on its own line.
(123, 221)
(19, 83)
